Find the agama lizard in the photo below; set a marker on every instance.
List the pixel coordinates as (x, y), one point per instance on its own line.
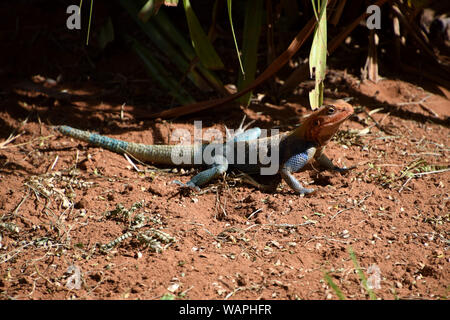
(294, 149)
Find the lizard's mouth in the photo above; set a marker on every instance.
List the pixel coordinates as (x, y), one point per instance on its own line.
(327, 130)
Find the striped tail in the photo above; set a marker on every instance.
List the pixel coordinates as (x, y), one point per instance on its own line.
(152, 153)
(111, 144)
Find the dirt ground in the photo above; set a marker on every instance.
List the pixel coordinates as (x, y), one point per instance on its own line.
(68, 209)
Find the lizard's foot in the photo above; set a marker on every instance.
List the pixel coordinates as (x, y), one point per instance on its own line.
(344, 169)
(188, 185)
(305, 191)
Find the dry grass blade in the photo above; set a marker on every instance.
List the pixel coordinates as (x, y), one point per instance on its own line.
(430, 172)
(13, 136)
(8, 140)
(370, 70)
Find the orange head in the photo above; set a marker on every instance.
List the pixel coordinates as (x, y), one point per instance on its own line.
(322, 124)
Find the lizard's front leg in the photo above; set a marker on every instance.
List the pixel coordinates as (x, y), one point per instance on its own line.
(294, 183)
(325, 162)
(295, 164)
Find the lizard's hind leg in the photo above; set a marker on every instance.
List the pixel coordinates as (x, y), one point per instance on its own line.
(219, 167)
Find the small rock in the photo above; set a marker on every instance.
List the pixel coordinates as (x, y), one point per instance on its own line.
(427, 271)
(135, 290)
(173, 287)
(24, 280)
(240, 280)
(80, 204)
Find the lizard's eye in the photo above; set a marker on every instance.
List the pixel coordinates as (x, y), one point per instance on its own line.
(330, 110)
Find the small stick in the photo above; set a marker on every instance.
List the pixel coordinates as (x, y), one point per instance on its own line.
(425, 107)
(430, 172)
(377, 124)
(421, 103)
(252, 214)
(356, 205)
(131, 162)
(20, 204)
(232, 293)
(399, 104)
(287, 225)
(53, 164)
(419, 175)
(31, 141)
(406, 182)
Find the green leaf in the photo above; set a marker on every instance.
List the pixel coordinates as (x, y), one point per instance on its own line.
(333, 286)
(361, 275)
(252, 31)
(168, 296)
(90, 19)
(318, 54)
(229, 2)
(202, 46)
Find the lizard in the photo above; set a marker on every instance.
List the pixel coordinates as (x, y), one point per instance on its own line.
(295, 149)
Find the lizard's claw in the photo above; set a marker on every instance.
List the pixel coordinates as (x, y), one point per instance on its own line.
(344, 169)
(188, 185)
(306, 191)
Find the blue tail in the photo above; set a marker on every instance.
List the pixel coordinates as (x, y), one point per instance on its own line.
(95, 139)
